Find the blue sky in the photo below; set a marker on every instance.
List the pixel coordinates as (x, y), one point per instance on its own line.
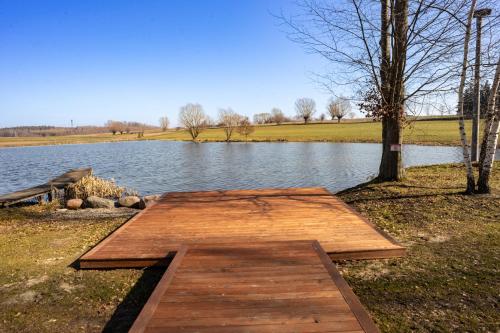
(91, 61)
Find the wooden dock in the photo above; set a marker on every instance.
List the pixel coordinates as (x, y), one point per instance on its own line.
(253, 287)
(243, 216)
(70, 177)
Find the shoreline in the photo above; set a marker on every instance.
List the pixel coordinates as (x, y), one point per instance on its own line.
(419, 143)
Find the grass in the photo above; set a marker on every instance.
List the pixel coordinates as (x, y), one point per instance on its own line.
(448, 281)
(438, 132)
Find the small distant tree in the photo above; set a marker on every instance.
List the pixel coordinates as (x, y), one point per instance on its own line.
(277, 116)
(339, 108)
(305, 108)
(192, 117)
(112, 126)
(228, 120)
(122, 127)
(164, 122)
(245, 128)
(322, 117)
(262, 118)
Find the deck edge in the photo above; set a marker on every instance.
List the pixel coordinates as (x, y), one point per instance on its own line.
(141, 322)
(351, 299)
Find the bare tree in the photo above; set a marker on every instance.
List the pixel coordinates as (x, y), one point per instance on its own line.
(228, 120)
(406, 49)
(305, 108)
(112, 126)
(463, 137)
(192, 117)
(262, 118)
(164, 122)
(339, 108)
(277, 116)
(490, 136)
(245, 128)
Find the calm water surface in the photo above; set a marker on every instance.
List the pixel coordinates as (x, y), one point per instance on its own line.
(161, 166)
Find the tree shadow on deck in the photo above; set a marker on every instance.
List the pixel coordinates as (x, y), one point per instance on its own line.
(128, 310)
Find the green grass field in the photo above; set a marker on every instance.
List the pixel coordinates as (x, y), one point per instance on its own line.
(425, 132)
(443, 132)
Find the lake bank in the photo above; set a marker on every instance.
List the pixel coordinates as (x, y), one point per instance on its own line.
(448, 277)
(424, 132)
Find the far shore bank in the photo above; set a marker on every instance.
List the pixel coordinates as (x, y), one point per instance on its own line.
(430, 132)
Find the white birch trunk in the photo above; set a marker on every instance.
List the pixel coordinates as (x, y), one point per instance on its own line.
(491, 133)
(463, 135)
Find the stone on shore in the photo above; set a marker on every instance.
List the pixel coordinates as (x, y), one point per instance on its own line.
(148, 200)
(96, 202)
(130, 201)
(74, 204)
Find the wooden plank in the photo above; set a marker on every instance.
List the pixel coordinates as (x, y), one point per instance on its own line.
(61, 181)
(242, 216)
(70, 177)
(253, 303)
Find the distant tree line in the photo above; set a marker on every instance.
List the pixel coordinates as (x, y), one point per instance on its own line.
(193, 118)
(468, 96)
(122, 127)
(46, 131)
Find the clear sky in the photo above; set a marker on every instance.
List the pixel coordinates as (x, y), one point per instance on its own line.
(94, 60)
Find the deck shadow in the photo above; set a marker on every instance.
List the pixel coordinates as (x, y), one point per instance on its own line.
(128, 310)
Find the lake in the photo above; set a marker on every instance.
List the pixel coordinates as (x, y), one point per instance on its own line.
(162, 166)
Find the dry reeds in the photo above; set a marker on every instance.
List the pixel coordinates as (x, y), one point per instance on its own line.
(91, 185)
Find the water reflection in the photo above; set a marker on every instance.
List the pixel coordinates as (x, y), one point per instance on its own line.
(160, 166)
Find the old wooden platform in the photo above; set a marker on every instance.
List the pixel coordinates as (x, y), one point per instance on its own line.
(253, 287)
(243, 216)
(59, 182)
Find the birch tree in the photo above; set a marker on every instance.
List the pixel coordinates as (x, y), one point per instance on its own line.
(490, 137)
(463, 137)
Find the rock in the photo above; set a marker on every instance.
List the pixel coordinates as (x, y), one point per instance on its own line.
(96, 202)
(74, 203)
(148, 200)
(130, 201)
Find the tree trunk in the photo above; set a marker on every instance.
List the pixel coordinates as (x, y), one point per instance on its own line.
(392, 88)
(490, 139)
(476, 104)
(391, 165)
(463, 136)
(490, 113)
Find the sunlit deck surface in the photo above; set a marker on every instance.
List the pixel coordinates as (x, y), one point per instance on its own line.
(241, 216)
(253, 287)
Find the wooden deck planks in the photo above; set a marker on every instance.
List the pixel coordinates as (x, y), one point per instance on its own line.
(59, 182)
(241, 216)
(253, 287)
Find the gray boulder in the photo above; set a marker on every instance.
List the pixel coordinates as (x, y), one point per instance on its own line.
(74, 204)
(148, 200)
(96, 202)
(130, 201)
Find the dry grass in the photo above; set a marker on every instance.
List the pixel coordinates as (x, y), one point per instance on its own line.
(448, 282)
(91, 185)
